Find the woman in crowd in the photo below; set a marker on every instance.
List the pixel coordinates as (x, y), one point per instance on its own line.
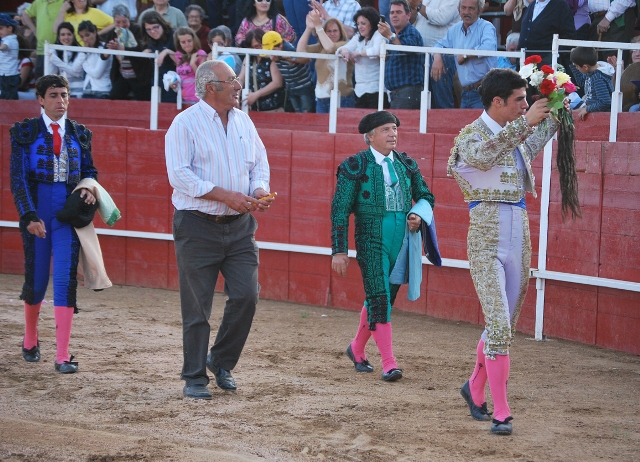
(189, 55)
(263, 14)
(364, 51)
(128, 74)
(331, 37)
(97, 83)
(222, 36)
(195, 15)
(76, 11)
(158, 36)
(68, 63)
(265, 81)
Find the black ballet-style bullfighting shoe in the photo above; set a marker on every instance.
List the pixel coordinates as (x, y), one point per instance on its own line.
(223, 377)
(67, 367)
(477, 412)
(502, 428)
(392, 375)
(360, 366)
(32, 355)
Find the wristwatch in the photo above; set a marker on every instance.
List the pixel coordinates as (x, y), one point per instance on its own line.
(392, 37)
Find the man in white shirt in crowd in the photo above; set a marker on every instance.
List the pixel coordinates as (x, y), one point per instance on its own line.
(342, 10)
(611, 21)
(218, 168)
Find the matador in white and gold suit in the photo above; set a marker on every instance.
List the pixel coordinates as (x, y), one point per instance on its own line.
(491, 161)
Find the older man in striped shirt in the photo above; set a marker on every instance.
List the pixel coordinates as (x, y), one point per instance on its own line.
(219, 172)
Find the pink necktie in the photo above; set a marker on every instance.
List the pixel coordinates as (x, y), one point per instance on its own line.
(57, 141)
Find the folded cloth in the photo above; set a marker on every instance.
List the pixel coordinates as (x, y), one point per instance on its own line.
(126, 37)
(408, 266)
(91, 264)
(169, 78)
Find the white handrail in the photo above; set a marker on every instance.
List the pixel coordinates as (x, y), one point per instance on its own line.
(425, 96)
(48, 47)
(616, 96)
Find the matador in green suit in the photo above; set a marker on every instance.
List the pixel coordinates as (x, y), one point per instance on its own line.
(378, 185)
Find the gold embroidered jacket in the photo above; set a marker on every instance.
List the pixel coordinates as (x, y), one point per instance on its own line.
(484, 164)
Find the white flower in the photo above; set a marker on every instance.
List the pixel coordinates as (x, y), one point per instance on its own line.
(536, 78)
(526, 71)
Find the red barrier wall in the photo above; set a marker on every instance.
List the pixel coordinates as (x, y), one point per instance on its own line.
(604, 243)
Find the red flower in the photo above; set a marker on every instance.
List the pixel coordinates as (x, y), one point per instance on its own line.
(547, 69)
(533, 59)
(547, 87)
(569, 87)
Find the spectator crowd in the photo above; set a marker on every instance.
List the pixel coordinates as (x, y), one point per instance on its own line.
(183, 33)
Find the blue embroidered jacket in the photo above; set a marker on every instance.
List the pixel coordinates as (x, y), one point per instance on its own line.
(32, 158)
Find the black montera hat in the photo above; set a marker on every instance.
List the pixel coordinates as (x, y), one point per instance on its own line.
(375, 119)
(76, 211)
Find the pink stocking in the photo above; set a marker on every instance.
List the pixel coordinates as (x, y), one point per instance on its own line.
(478, 379)
(31, 315)
(362, 337)
(498, 374)
(384, 340)
(64, 317)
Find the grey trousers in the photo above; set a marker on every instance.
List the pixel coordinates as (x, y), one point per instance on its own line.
(203, 250)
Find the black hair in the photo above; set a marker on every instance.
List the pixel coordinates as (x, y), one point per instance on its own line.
(68, 26)
(72, 9)
(90, 27)
(251, 11)
(500, 83)
(50, 81)
(253, 34)
(403, 3)
(371, 15)
(584, 55)
(153, 17)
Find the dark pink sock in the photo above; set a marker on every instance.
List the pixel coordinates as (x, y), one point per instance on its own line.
(498, 375)
(478, 379)
(384, 340)
(31, 316)
(64, 317)
(362, 337)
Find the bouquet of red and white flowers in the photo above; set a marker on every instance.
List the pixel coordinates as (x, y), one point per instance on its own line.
(556, 85)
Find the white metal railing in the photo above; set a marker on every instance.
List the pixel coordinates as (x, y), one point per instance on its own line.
(616, 96)
(335, 93)
(155, 90)
(425, 96)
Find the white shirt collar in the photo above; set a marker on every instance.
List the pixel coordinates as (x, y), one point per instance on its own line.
(492, 124)
(380, 157)
(48, 121)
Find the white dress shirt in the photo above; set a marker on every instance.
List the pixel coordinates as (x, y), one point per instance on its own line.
(613, 9)
(367, 68)
(59, 162)
(200, 155)
(538, 7)
(441, 14)
(385, 166)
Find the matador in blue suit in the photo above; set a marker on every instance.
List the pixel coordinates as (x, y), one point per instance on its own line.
(50, 154)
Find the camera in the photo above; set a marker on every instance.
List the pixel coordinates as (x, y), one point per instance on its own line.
(382, 18)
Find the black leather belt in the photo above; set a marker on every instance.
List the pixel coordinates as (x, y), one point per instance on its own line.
(221, 219)
(473, 86)
(597, 14)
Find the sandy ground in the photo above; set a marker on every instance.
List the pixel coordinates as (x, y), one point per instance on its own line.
(298, 396)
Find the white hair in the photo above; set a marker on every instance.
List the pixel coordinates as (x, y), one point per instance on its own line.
(205, 74)
(480, 5)
(513, 37)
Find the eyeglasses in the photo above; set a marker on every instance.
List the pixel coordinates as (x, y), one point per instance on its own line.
(153, 27)
(230, 81)
(263, 1)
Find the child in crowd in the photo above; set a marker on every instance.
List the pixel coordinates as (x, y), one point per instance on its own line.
(9, 73)
(222, 36)
(189, 55)
(300, 89)
(597, 85)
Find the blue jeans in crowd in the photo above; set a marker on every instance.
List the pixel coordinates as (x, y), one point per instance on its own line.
(442, 90)
(322, 104)
(471, 99)
(303, 100)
